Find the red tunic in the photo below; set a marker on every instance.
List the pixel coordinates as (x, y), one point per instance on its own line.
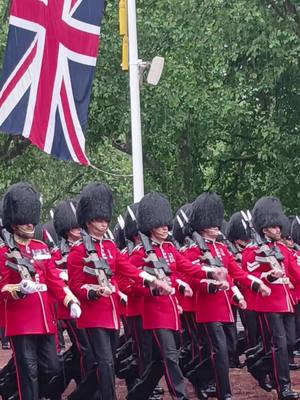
(32, 314)
(160, 312)
(280, 299)
(215, 307)
(62, 312)
(103, 312)
(295, 290)
(188, 304)
(135, 293)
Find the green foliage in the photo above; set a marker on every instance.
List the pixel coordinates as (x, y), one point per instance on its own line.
(224, 117)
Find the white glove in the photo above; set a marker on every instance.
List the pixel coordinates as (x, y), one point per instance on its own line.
(75, 310)
(64, 275)
(27, 286)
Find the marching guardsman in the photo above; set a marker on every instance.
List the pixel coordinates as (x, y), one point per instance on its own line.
(94, 264)
(190, 354)
(134, 309)
(295, 235)
(141, 339)
(28, 279)
(239, 238)
(213, 299)
(271, 261)
(290, 323)
(161, 317)
(68, 232)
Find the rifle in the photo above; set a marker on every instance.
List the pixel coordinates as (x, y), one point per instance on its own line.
(265, 254)
(206, 254)
(159, 267)
(101, 268)
(64, 249)
(15, 260)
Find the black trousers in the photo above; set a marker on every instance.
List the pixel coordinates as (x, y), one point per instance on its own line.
(189, 333)
(141, 343)
(297, 317)
(230, 331)
(251, 327)
(80, 341)
(216, 344)
(35, 358)
(165, 344)
(275, 342)
(4, 339)
(104, 344)
(289, 322)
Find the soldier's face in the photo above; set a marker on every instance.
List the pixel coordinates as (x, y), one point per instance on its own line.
(211, 233)
(24, 231)
(242, 243)
(273, 233)
(97, 227)
(160, 233)
(288, 242)
(74, 234)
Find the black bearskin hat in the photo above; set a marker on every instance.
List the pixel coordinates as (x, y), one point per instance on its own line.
(21, 205)
(119, 236)
(295, 231)
(267, 213)
(180, 233)
(131, 229)
(224, 226)
(235, 229)
(40, 233)
(286, 227)
(208, 212)
(64, 218)
(95, 201)
(154, 211)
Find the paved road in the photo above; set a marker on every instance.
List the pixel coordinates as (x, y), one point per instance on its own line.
(243, 385)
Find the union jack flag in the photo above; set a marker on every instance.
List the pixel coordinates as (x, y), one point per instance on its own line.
(47, 73)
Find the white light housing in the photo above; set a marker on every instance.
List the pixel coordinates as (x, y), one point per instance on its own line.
(155, 71)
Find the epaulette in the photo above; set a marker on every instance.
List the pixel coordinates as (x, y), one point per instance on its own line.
(169, 242)
(109, 240)
(223, 245)
(137, 247)
(184, 247)
(39, 241)
(284, 245)
(251, 245)
(77, 243)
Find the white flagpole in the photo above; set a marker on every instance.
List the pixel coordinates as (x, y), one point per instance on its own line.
(134, 83)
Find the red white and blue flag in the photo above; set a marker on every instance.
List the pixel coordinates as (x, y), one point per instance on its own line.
(47, 74)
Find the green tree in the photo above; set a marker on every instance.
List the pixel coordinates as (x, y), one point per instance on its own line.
(224, 117)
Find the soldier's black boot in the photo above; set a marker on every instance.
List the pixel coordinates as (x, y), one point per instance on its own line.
(287, 393)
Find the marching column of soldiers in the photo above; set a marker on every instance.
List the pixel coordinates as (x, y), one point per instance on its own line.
(185, 298)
